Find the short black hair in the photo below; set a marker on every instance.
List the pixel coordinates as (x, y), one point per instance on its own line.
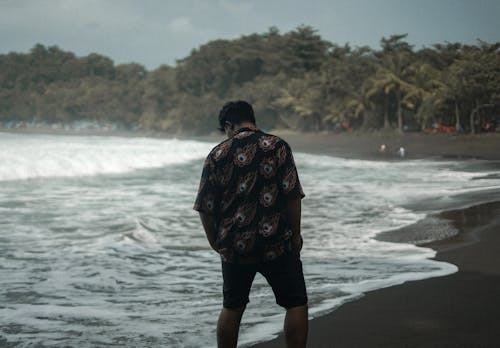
(236, 112)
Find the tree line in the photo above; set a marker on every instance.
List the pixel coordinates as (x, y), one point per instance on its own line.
(294, 80)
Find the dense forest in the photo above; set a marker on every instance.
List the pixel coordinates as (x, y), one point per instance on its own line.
(295, 80)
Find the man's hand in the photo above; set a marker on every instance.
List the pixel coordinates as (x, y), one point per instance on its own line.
(297, 243)
(208, 222)
(293, 214)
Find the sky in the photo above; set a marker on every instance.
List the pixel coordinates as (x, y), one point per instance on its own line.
(156, 32)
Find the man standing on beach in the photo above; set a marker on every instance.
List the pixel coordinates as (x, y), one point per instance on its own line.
(249, 202)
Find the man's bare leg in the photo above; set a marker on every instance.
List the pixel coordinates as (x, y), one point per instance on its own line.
(228, 327)
(296, 327)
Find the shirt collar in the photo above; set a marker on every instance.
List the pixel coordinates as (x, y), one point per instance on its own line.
(244, 129)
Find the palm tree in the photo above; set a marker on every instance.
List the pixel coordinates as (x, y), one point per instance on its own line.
(304, 100)
(392, 75)
(426, 92)
(392, 78)
(476, 78)
(360, 106)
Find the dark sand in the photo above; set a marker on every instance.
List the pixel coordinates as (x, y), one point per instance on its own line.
(459, 310)
(483, 146)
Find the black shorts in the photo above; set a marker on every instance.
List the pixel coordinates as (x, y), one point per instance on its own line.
(283, 274)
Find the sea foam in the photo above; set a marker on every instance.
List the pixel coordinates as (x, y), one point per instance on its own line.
(39, 156)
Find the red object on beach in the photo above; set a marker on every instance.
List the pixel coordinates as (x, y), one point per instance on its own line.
(440, 129)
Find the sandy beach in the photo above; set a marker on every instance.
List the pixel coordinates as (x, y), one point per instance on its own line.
(416, 145)
(459, 310)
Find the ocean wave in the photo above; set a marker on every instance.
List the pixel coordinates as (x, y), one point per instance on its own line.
(39, 156)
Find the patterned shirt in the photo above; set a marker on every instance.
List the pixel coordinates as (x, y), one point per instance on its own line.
(245, 183)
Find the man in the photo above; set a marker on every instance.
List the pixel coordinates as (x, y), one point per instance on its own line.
(249, 202)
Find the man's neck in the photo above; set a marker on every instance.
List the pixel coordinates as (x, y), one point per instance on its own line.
(244, 125)
(231, 132)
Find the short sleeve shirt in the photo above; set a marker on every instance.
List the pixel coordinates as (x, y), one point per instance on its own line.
(245, 183)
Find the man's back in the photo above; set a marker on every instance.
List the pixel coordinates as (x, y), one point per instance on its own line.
(245, 184)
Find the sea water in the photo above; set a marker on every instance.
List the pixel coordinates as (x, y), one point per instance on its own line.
(100, 247)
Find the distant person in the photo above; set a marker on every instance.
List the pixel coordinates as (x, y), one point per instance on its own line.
(401, 152)
(249, 202)
(382, 149)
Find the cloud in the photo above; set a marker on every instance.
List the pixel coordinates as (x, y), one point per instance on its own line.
(236, 7)
(68, 19)
(180, 25)
(181, 29)
(160, 31)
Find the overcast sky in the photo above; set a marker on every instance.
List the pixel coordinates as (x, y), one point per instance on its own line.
(155, 32)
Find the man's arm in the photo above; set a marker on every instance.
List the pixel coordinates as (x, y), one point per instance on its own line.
(293, 214)
(208, 222)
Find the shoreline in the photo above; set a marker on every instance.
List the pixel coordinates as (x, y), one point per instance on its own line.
(450, 313)
(354, 145)
(457, 310)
